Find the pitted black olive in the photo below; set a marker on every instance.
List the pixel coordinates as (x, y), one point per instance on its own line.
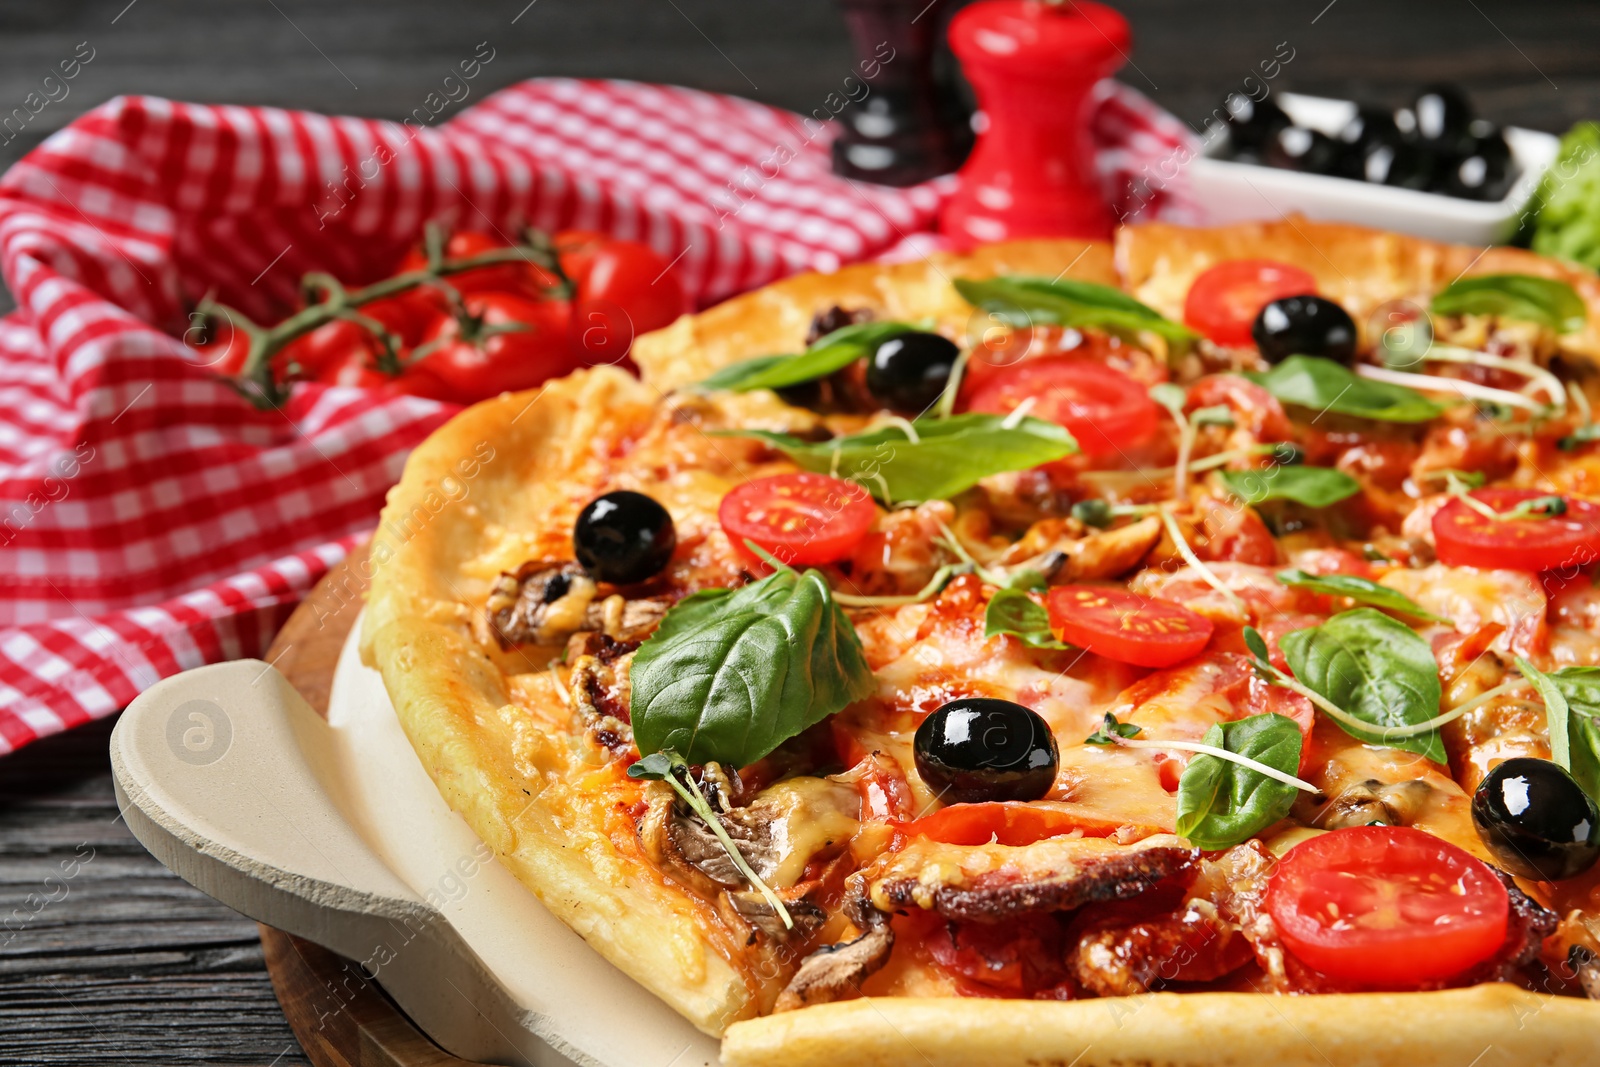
(1307, 326)
(623, 537)
(979, 749)
(1537, 820)
(908, 371)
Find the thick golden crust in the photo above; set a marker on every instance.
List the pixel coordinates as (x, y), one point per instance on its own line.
(1456, 1027)
(776, 318)
(1360, 268)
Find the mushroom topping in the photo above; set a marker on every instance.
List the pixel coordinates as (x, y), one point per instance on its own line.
(547, 601)
(1372, 802)
(835, 972)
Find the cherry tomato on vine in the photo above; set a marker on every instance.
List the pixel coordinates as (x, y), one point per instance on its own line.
(359, 371)
(217, 345)
(523, 278)
(1125, 626)
(503, 358)
(803, 519)
(1224, 300)
(624, 288)
(1388, 907)
(1105, 410)
(1466, 538)
(329, 346)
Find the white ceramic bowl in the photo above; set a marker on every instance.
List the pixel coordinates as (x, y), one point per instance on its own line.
(1235, 192)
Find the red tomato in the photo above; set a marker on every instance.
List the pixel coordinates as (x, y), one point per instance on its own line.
(1256, 409)
(217, 344)
(625, 288)
(1387, 907)
(1125, 626)
(525, 279)
(1224, 300)
(1104, 409)
(802, 518)
(1466, 538)
(475, 369)
(360, 372)
(330, 347)
(1009, 822)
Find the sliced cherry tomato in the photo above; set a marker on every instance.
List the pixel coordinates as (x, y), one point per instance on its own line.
(1223, 301)
(801, 518)
(625, 288)
(1104, 409)
(499, 360)
(1387, 907)
(524, 279)
(1466, 538)
(1009, 822)
(1125, 626)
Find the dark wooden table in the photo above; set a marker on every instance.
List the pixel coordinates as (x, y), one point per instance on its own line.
(121, 962)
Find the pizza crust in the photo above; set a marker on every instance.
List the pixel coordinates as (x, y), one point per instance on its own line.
(434, 565)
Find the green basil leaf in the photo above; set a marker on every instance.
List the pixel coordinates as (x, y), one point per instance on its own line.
(730, 674)
(948, 456)
(1556, 713)
(1026, 300)
(1315, 487)
(832, 352)
(1012, 611)
(1361, 590)
(1374, 667)
(1221, 803)
(1589, 431)
(1546, 301)
(1580, 692)
(1323, 385)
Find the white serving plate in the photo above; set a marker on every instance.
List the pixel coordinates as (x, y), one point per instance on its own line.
(1236, 192)
(333, 832)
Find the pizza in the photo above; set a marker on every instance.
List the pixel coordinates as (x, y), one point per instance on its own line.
(1059, 653)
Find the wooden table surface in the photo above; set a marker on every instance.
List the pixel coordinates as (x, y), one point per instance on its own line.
(122, 963)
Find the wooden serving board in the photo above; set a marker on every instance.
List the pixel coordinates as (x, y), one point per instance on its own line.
(370, 1030)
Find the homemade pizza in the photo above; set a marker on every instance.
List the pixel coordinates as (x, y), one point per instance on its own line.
(1061, 653)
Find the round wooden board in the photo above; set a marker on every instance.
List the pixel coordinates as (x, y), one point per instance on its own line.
(368, 1030)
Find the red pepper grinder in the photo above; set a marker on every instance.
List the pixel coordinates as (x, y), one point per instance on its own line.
(1033, 64)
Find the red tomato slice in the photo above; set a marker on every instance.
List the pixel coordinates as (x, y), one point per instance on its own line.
(1125, 626)
(1224, 300)
(1387, 907)
(802, 519)
(1466, 538)
(1104, 409)
(1009, 822)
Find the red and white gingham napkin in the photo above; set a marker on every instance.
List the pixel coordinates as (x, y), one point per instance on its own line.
(150, 519)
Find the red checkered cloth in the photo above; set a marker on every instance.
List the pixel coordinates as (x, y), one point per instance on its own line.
(150, 519)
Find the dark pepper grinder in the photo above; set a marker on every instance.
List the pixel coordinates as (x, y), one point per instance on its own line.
(1033, 65)
(908, 126)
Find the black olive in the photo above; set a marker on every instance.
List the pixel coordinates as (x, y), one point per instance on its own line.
(909, 371)
(1369, 127)
(1486, 171)
(623, 537)
(1403, 164)
(1442, 117)
(1251, 122)
(978, 749)
(1306, 326)
(1536, 820)
(1296, 148)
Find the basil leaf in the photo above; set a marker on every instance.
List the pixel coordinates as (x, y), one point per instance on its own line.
(1221, 803)
(1374, 667)
(1361, 590)
(730, 674)
(832, 352)
(1580, 692)
(1322, 384)
(1315, 487)
(1014, 612)
(1546, 301)
(1556, 713)
(948, 456)
(1025, 300)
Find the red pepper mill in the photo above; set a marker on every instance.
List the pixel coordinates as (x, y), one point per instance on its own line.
(1033, 64)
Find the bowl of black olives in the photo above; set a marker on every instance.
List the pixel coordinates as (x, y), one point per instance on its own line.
(1432, 167)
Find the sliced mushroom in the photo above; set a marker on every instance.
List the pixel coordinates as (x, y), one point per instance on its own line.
(835, 972)
(1586, 965)
(1373, 803)
(1051, 548)
(756, 911)
(547, 601)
